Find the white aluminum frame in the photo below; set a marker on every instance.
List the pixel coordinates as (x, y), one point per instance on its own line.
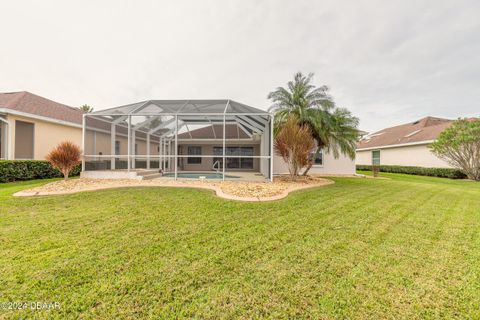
(256, 122)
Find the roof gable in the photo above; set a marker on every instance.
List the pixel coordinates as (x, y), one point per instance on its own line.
(27, 102)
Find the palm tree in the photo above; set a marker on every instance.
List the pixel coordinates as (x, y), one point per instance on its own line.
(86, 108)
(334, 129)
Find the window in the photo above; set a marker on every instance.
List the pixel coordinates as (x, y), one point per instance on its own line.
(194, 151)
(317, 158)
(24, 136)
(376, 157)
(117, 147)
(235, 163)
(136, 148)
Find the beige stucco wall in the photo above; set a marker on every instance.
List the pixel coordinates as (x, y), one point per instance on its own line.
(97, 143)
(341, 166)
(418, 156)
(46, 135)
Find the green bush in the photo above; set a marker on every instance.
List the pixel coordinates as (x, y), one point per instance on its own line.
(16, 170)
(419, 171)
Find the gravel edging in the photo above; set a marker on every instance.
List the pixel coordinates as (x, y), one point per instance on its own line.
(216, 187)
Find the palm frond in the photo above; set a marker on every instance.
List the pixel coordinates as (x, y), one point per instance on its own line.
(334, 129)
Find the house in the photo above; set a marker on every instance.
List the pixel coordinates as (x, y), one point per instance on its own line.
(404, 145)
(142, 136)
(185, 138)
(324, 164)
(30, 125)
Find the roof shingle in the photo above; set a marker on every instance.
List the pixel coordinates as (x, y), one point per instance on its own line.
(426, 129)
(27, 102)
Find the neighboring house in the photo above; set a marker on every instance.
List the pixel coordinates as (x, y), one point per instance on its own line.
(30, 125)
(404, 145)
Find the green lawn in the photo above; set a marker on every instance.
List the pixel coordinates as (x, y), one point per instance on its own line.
(406, 247)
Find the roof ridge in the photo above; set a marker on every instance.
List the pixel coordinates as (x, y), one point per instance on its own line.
(412, 122)
(64, 105)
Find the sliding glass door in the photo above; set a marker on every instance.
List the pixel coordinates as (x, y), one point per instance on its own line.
(237, 162)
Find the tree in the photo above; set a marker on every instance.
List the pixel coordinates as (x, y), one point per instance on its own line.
(459, 145)
(294, 144)
(334, 129)
(86, 108)
(65, 157)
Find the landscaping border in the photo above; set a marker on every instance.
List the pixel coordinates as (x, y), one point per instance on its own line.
(170, 183)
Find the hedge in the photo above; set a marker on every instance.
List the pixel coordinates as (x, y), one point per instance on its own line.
(16, 170)
(419, 171)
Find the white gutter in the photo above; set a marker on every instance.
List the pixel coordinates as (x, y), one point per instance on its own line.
(397, 145)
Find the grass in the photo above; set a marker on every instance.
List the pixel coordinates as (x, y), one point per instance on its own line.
(406, 247)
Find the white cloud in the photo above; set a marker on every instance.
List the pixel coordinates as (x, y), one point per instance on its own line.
(388, 62)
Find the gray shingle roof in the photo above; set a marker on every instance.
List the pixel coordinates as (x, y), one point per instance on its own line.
(27, 102)
(426, 129)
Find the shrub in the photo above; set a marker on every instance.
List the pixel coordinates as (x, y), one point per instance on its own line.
(294, 144)
(459, 145)
(65, 157)
(17, 170)
(419, 171)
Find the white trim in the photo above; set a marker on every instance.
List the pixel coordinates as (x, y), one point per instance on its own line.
(176, 146)
(224, 143)
(129, 143)
(243, 140)
(272, 123)
(184, 114)
(84, 132)
(37, 117)
(397, 145)
(144, 156)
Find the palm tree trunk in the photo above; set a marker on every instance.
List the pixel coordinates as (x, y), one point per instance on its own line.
(317, 152)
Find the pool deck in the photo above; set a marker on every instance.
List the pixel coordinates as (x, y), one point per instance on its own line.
(153, 174)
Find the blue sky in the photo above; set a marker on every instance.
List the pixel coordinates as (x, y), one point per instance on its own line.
(387, 61)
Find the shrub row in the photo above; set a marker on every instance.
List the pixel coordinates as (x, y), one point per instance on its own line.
(419, 171)
(16, 170)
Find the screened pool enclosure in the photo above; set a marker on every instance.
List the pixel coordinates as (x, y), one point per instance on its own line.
(175, 138)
